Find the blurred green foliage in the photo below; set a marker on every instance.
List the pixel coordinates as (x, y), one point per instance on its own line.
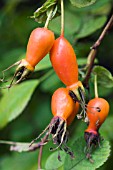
(27, 105)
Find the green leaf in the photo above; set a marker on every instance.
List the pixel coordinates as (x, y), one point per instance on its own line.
(104, 8)
(44, 63)
(53, 162)
(107, 126)
(90, 25)
(95, 9)
(69, 27)
(104, 77)
(81, 61)
(82, 3)
(15, 100)
(52, 83)
(100, 155)
(24, 161)
(42, 112)
(41, 13)
(10, 58)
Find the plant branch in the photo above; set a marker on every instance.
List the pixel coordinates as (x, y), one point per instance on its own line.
(21, 146)
(40, 152)
(109, 24)
(92, 54)
(91, 58)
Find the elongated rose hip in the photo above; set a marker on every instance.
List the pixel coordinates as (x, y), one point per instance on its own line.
(40, 42)
(64, 61)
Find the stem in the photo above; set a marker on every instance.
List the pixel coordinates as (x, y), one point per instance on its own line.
(39, 158)
(16, 146)
(40, 152)
(48, 18)
(62, 17)
(92, 54)
(109, 24)
(91, 58)
(95, 86)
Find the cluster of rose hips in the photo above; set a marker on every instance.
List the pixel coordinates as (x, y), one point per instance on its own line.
(66, 101)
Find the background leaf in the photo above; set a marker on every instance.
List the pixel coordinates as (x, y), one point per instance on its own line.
(91, 24)
(53, 162)
(51, 83)
(82, 3)
(104, 77)
(15, 100)
(19, 161)
(44, 63)
(75, 25)
(100, 155)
